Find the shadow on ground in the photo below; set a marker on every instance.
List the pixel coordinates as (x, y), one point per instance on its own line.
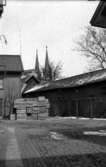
(86, 160)
(79, 135)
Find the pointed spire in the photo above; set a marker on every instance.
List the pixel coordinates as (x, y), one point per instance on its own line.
(47, 59)
(47, 66)
(37, 62)
(37, 68)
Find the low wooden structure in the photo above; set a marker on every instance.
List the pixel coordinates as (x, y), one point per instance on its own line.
(31, 108)
(82, 95)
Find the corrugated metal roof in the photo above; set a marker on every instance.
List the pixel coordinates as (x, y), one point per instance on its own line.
(74, 81)
(11, 63)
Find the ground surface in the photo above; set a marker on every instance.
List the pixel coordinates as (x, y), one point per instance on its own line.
(52, 143)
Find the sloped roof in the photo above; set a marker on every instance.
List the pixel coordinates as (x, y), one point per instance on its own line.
(33, 75)
(37, 87)
(11, 63)
(99, 17)
(27, 77)
(74, 81)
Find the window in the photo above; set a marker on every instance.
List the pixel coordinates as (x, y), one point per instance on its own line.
(29, 110)
(1, 83)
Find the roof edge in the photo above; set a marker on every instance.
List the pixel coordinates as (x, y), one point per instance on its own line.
(96, 13)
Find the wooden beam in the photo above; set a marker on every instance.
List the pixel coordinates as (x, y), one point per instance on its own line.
(77, 108)
(91, 108)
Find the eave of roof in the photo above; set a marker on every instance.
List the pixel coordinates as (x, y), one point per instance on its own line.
(98, 20)
(36, 88)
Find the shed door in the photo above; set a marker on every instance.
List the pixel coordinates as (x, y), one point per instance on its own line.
(0, 107)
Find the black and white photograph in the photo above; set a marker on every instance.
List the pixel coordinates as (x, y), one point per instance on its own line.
(52, 83)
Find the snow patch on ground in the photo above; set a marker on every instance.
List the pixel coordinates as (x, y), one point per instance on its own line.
(98, 133)
(99, 119)
(80, 118)
(56, 136)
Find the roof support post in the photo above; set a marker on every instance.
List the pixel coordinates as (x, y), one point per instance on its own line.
(77, 108)
(91, 108)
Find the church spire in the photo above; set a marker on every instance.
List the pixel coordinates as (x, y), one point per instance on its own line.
(37, 68)
(47, 66)
(46, 59)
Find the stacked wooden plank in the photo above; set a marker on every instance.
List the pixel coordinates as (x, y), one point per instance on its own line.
(31, 108)
(20, 106)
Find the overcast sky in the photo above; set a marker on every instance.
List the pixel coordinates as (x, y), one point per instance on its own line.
(33, 25)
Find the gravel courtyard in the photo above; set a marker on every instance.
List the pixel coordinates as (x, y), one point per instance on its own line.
(53, 143)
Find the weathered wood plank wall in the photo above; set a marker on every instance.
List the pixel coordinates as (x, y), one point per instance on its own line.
(31, 108)
(84, 101)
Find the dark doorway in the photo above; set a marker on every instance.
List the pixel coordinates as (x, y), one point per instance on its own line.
(0, 107)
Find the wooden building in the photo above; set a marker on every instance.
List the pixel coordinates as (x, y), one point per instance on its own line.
(11, 69)
(82, 95)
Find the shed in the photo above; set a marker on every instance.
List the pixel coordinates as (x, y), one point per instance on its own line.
(82, 95)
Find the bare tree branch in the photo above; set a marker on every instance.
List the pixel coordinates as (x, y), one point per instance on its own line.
(92, 44)
(55, 72)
